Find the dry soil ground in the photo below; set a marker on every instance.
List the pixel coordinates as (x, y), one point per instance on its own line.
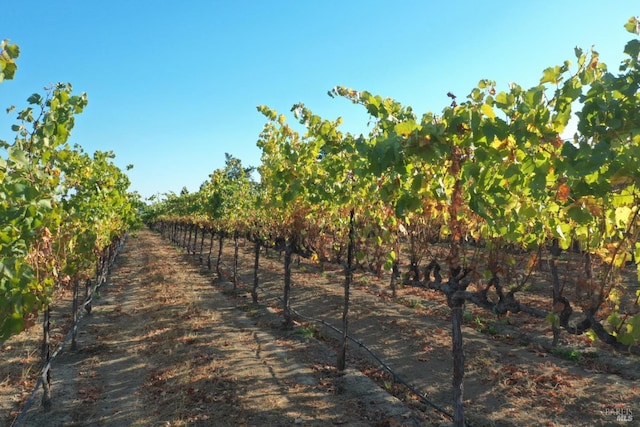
(169, 345)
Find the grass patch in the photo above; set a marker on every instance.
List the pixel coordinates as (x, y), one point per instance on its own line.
(307, 331)
(411, 302)
(250, 310)
(467, 316)
(572, 354)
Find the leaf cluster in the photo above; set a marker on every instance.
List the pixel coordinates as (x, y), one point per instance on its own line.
(59, 208)
(495, 169)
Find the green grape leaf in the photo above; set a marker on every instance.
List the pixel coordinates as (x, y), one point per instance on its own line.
(36, 98)
(632, 48)
(625, 338)
(633, 327)
(11, 325)
(551, 75)
(632, 25)
(579, 215)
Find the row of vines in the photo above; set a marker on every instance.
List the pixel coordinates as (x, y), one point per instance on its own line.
(468, 202)
(63, 213)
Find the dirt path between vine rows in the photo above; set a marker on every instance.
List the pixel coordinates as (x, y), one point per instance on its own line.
(166, 347)
(168, 344)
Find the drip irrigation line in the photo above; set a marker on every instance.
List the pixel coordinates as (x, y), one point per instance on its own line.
(395, 375)
(101, 280)
(386, 367)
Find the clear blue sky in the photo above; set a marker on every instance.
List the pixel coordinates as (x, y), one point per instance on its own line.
(172, 85)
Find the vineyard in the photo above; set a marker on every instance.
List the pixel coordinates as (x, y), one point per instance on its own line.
(480, 225)
(63, 214)
(461, 195)
(165, 326)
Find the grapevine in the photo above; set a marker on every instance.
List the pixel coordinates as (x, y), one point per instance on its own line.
(465, 191)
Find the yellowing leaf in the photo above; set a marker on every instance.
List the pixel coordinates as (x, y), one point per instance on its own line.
(405, 128)
(614, 296)
(622, 215)
(487, 110)
(633, 26)
(551, 75)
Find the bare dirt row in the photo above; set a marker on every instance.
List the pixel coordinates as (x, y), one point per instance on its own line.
(164, 345)
(169, 344)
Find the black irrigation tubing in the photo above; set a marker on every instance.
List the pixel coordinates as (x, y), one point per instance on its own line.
(395, 375)
(102, 279)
